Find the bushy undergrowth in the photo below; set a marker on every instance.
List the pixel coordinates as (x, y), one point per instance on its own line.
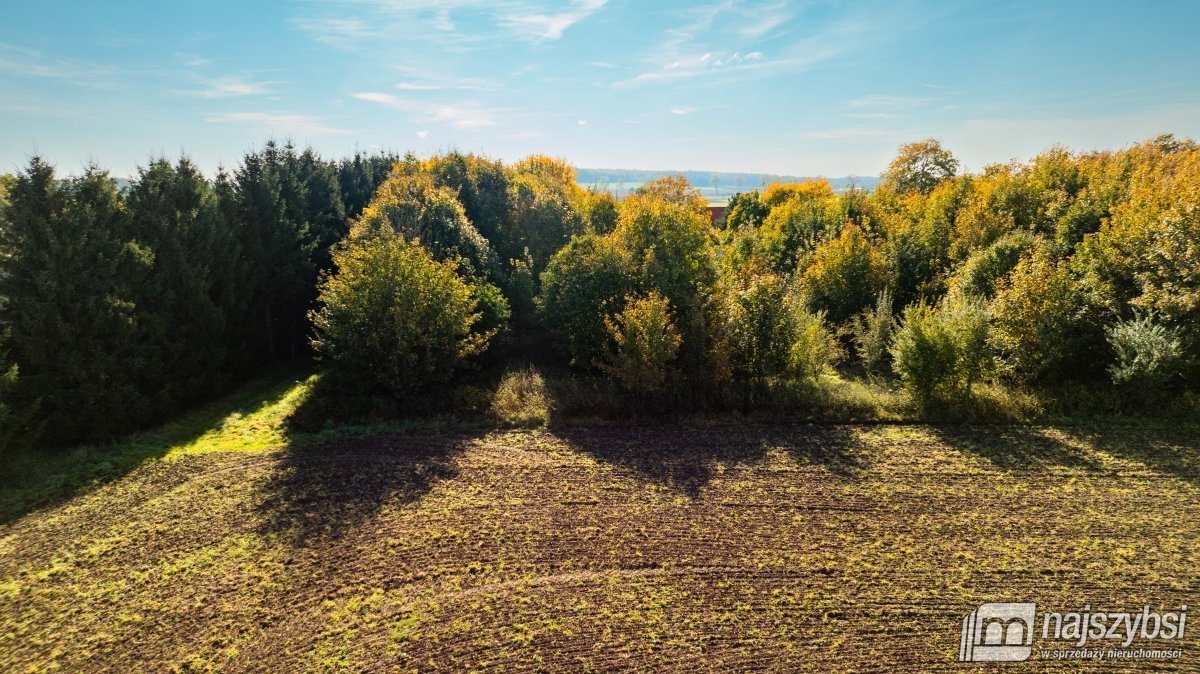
(941, 351)
(522, 399)
(1149, 358)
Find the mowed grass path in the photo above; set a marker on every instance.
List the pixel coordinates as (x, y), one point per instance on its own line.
(831, 548)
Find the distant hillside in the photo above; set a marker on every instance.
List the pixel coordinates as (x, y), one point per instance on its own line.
(716, 186)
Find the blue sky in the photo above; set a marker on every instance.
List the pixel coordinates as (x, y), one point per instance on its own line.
(805, 88)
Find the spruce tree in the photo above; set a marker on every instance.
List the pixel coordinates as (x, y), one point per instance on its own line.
(67, 303)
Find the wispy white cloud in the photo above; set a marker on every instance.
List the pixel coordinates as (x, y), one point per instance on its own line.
(682, 110)
(465, 116)
(696, 66)
(227, 87)
(729, 41)
(346, 32)
(550, 26)
(279, 123)
(460, 115)
(582, 122)
(25, 62)
(356, 22)
(383, 99)
(422, 134)
(437, 82)
(764, 20)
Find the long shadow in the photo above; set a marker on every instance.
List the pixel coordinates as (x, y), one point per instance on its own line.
(324, 489)
(39, 478)
(687, 459)
(1171, 450)
(1018, 448)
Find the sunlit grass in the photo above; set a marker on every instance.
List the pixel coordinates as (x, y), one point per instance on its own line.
(250, 419)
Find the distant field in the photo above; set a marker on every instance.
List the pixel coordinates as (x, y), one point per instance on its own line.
(831, 548)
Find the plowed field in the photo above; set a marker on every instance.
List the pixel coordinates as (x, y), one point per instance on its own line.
(829, 548)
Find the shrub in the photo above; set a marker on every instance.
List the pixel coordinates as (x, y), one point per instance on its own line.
(941, 351)
(760, 326)
(771, 335)
(1149, 356)
(845, 275)
(1044, 330)
(522, 398)
(646, 344)
(814, 348)
(394, 318)
(979, 274)
(872, 332)
(585, 282)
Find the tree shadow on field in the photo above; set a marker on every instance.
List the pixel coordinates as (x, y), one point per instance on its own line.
(686, 459)
(325, 489)
(1171, 450)
(1020, 448)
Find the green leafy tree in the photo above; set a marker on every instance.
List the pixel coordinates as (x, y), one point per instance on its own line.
(919, 167)
(981, 272)
(1045, 327)
(393, 318)
(584, 283)
(793, 229)
(745, 211)
(668, 239)
(483, 188)
(544, 216)
(1147, 258)
(415, 206)
(845, 275)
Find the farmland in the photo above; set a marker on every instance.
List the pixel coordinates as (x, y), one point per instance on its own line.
(241, 547)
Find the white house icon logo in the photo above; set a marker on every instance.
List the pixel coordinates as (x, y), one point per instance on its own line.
(997, 633)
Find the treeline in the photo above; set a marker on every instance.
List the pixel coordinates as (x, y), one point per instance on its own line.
(121, 307)
(1071, 272)
(1067, 275)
